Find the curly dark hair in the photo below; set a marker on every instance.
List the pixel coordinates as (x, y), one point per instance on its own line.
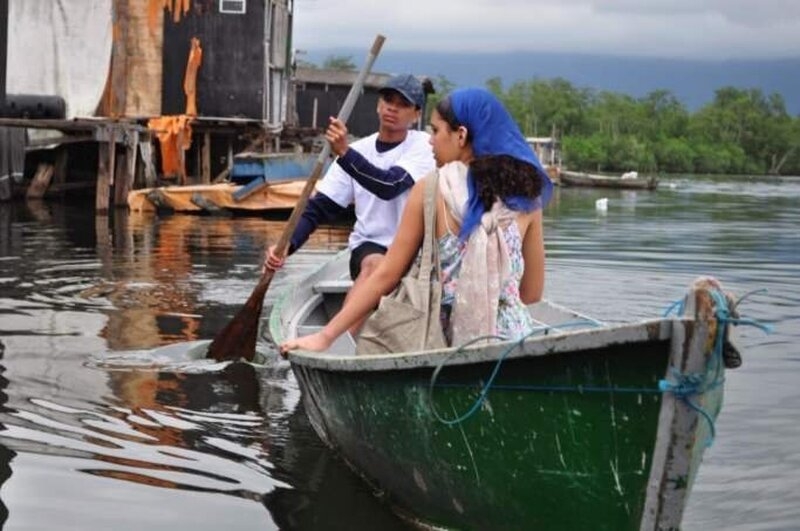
(502, 176)
(496, 176)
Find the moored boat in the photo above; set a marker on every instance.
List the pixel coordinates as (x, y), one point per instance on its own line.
(210, 198)
(580, 426)
(634, 182)
(257, 183)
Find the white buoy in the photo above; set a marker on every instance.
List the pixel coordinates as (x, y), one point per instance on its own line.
(601, 204)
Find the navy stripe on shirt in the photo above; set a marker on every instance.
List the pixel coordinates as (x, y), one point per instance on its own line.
(319, 209)
(386, 184)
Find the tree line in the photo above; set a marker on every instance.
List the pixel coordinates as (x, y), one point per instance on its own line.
(742, 131)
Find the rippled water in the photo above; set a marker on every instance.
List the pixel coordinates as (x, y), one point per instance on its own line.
(106, 424)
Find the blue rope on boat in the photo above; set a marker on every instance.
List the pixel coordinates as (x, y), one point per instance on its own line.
(683, 386)
(486, 387)
(676, 307)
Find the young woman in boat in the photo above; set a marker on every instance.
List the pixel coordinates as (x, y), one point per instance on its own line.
(492, 189)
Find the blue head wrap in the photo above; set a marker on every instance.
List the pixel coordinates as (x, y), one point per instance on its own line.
(494, 132)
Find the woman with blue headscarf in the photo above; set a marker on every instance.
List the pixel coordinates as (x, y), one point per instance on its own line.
(488, 224)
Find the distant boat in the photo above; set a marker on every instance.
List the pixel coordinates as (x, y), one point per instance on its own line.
(630, 180)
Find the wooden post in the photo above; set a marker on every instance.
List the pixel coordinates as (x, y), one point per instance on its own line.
(146, 151)
(121, 183)
(61, 165)
(119, 58)
(125, 171)
(230, 156)
(103, 178)
(3, 49)
(205, 163)
(181, 159)
(112, 154)
(40, 182)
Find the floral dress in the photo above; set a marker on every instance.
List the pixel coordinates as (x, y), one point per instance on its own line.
(513, 319)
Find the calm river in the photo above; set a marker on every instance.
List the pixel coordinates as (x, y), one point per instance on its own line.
(105, 425)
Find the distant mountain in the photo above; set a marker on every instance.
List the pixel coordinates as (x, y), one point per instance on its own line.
(692, 81)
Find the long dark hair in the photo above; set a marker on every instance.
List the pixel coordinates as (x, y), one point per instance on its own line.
(497, 176)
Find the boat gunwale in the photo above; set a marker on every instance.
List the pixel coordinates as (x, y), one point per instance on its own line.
(551, 344)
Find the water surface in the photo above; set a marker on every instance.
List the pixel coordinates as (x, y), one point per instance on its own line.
(105, 424)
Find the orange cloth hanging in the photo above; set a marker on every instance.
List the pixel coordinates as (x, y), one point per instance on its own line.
(190, 78)
(178, 8)
(174, 135)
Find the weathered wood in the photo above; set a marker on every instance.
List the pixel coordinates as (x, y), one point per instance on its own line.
(205, 159)
(181, 159)
(146, 152)
(103, 188)
(125, 170)
(61, 165)
(144, 42)
(112, 154)
(116, 91)
(3, 47)
(122, 183)
(40, 182)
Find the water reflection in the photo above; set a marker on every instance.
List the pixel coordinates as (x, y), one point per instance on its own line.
(140, 443)
(160, 265)
(6, 454)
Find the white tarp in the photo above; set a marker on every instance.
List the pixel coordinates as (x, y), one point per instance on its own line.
(60, 48)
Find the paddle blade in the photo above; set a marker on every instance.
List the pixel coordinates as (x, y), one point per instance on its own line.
(238, 339)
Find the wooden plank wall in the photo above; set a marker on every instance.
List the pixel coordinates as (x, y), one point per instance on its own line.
(3, 47)
(133, 88)
(144, 67)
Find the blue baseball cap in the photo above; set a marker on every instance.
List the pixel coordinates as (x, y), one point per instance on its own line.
(408, 86)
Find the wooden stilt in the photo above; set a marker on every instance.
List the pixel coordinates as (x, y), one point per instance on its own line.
(40, 182)
(146, 152)
(61, 165)
(205, 163)
(121, 182)
(112, 154)
(103, 178)
(125, 171)
(181, 160)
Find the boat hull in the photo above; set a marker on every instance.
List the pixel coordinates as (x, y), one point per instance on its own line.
(574, 430)
(570, 178)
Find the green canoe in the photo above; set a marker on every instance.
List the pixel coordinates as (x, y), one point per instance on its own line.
(580, 426)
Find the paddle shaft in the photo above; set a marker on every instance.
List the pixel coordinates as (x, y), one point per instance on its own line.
(344, 115)
(238, 338)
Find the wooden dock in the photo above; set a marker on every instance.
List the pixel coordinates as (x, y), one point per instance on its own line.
(126, 153)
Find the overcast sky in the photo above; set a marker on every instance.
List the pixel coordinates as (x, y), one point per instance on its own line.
(702, 29)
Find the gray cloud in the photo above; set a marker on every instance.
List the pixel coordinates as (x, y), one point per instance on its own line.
(715, 29)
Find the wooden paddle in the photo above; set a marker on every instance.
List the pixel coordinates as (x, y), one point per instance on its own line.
(238, 339)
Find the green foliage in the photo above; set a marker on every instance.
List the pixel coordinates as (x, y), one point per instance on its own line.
(677, 154)
(584, 152)
(740, 131)
(339, 62)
